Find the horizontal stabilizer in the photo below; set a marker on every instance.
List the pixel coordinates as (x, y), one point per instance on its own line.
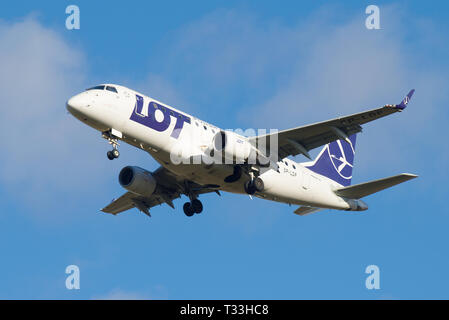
(304, 210)
(365, 189)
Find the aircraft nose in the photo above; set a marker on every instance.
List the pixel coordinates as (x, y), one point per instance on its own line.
(76, 104)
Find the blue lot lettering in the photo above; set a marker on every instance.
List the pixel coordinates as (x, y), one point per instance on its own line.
(150, 119)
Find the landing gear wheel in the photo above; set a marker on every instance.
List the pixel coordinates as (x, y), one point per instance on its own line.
(188, 209)
(249, 187)
(110, 155)
(197, 206)
(115, 153)
(258, 184)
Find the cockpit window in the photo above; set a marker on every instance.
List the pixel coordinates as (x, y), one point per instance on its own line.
(96, 88)
(111, 89)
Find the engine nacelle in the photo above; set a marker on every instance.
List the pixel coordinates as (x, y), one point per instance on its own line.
(137, 180)
(232, 147)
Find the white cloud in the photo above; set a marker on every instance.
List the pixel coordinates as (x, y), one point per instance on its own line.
(288, 75)
(319, 69)
(228, 49)
(44, 150)
(159, 88)
(347, 69)
(119, 294)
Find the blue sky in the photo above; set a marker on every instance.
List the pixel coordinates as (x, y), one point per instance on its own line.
(237, 64)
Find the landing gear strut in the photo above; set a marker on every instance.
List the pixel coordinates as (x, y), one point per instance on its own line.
(114, 153)
(249, 187)
(190, 208)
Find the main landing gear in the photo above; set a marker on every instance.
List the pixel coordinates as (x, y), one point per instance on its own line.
(114, 153)
(190, 208)
(195, 205)
(254, 185)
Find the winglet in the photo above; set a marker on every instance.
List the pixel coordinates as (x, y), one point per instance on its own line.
(406, 100)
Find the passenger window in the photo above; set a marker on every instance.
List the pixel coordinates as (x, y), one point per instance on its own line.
(112, 89)
(293, 166)
(204, 127)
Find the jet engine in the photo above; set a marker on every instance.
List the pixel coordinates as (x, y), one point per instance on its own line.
(137, 180)
(232, 147)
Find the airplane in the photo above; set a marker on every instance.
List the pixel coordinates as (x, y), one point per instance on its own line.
(196, 157)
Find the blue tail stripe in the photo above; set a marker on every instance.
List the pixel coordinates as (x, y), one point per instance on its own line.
(336, 161)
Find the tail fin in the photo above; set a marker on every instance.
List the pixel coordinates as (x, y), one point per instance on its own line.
(336, 160)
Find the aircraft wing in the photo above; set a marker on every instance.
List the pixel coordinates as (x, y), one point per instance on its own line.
(302, 139)
(169, 187)
(130, 200)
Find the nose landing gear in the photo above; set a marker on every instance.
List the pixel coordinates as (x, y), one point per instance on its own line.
(114, 153)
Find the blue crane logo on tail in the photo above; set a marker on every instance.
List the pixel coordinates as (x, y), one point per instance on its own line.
(342, 157)
(336, 161)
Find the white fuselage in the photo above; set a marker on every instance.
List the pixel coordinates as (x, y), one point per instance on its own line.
(105, 110)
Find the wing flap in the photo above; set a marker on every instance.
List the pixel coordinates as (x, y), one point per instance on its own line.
(305, 210)
(119, 205)
(361, 190)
